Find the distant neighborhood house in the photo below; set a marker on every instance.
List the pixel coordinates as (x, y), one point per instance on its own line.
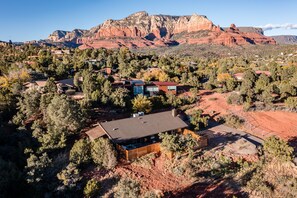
(137, 86)
(63, 86)
(240, 76)
(154, 88)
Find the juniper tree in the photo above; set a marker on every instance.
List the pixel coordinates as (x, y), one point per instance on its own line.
(103, 153)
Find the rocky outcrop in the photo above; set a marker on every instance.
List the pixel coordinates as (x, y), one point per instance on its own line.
(143, 30)
(249, 30)
(66, 36)
(285, 39)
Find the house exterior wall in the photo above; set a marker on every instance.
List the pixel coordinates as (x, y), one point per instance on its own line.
(138, 90)
(132, 154)
(151, 90)
(167, 89)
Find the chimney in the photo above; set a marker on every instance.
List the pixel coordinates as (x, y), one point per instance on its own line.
(108, 70)
(174, 112)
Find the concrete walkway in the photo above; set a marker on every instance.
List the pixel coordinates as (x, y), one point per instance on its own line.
(222, 136)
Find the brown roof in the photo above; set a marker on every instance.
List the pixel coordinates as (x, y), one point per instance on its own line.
(165, 83)
(142, 126)
(67, 82)
(95, 132)
(40, 83)
(267, 73)
(77, 96)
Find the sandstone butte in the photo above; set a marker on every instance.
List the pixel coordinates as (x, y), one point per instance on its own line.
(142, 30)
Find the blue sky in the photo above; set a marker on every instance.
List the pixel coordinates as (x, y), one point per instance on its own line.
(23, 20)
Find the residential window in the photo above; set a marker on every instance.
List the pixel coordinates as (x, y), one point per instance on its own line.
(171, 88)
(152, 89)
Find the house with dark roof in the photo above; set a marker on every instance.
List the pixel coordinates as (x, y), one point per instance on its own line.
(154, 88)
(65, 84)
(139, 135)
(137, 87)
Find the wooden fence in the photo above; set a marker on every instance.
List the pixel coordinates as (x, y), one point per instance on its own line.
(138, 152)
(132, 154)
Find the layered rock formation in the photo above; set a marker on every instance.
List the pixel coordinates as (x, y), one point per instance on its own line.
(143, 30)
(66, 36)
(285, 39)
(249, 30)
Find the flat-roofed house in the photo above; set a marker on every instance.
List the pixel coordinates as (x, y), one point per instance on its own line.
(138, 136)
(65, 84)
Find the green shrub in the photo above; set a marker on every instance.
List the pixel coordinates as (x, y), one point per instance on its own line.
(177, 142)
(259, 185)
(198, 120)
(247, 106)
(275, 147)
(69, 176)
(80, 152)
(145, 161)
(127, 188)
(232, 120)
(208, 86)
(291, 103)
(235, 98)
(103, 153)
(92, 187)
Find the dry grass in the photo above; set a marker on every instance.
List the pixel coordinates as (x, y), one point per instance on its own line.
(271, 179)
(146, 161)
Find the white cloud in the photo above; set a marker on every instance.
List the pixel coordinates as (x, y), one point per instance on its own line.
(287, 26)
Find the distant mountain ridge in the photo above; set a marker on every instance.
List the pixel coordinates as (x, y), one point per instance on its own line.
(143, 30)
(285, 39)
(69, 36)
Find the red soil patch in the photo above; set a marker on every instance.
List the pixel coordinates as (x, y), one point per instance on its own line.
(154, 178)
(260, 123)
(160, 180)
(202, 190)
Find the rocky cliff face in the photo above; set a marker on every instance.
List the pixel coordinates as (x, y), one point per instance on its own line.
(249, 30)
(143, 30)
(66, 36)
(285, 39)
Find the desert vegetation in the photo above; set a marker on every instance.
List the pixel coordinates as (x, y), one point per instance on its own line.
(45, 152)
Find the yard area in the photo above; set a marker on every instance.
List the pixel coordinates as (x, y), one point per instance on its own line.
(259, 123)
(159, 174)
